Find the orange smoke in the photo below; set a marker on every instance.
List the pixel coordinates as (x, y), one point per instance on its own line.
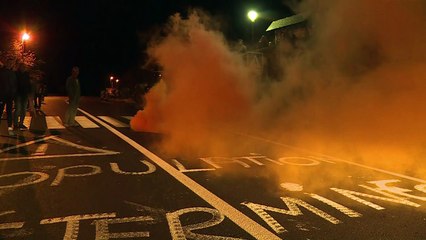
(358, 85)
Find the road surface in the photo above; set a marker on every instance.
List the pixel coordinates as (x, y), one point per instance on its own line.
(104, 181)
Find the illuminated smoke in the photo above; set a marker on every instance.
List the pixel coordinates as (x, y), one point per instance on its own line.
(204, 89)
(356, 90)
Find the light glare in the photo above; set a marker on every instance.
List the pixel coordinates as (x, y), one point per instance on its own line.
(252, 15)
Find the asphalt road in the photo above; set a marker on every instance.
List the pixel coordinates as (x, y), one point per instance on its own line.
(104, 181)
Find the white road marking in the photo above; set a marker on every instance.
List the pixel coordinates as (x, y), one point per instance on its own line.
(56, 139)
(113, 121)
(347, 211)
(84, 122)
(183, 168)
(73, 223)
(41, 150)
(62, 173)
(56, 156)
(12, 225)
(292, 187)
(27, 181)
(151, 168)
(54, 122)
(336, 159)
(26, 144)
(78, 146)
(78, 217)
(293, 210)
(128, 117)
(390, 197)
(7, 212)
(249, 225)
(102, 228)
(180, 232)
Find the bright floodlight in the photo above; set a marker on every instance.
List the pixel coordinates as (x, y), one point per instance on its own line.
(252, 15)
(25, 36)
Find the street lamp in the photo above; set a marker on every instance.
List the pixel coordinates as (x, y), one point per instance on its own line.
(252, 15)
(111, 78)
(25, 37)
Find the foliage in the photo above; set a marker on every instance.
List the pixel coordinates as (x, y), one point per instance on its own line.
(18, 55)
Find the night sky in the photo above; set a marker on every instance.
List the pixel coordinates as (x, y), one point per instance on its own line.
(109, 37)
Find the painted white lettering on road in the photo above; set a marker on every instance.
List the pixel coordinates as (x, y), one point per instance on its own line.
(73, 223)
(244, 222)
(62, 173)
(151, 169)
(102, 229)
(347, 211)
(383, 185)
(180, 232)
(299, 161)
(391, 198)
(183, 169)
(36, 177)
(293, 210)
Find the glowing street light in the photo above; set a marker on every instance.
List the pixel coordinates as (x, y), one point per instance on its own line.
(252, 15)
(25, 37)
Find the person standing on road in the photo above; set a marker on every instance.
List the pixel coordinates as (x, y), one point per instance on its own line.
(38, 93)
(7, 91)
(21, 97)
(73, 91)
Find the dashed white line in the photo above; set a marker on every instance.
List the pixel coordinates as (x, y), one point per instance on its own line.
(113, 121)
(84, 122)
(54, 122)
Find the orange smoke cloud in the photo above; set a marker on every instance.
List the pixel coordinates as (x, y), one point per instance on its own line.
(202, 87)
(358, 84)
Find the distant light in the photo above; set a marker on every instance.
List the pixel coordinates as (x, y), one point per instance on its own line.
(25, 37)
(111, 78)
(252, 15)
(117, 80)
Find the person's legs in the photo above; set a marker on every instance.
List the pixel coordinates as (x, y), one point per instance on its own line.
(9, 103)
(17, 112)
(2, 103)
(71, 112)
(23, 112)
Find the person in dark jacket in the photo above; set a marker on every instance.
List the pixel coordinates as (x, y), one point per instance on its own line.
(7, 91)
(21, 97)
(73, 91)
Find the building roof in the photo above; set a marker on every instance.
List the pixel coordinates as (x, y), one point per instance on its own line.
(284, 22)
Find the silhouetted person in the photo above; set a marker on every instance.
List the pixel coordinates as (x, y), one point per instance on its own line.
(241, 47)
(263, 42)
(7, 91)
(21, 98)
(38, 94)
(73, 91)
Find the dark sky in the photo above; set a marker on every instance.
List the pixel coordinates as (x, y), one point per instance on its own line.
(106, 37)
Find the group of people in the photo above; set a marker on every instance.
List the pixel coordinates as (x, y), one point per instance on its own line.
(17, 91)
